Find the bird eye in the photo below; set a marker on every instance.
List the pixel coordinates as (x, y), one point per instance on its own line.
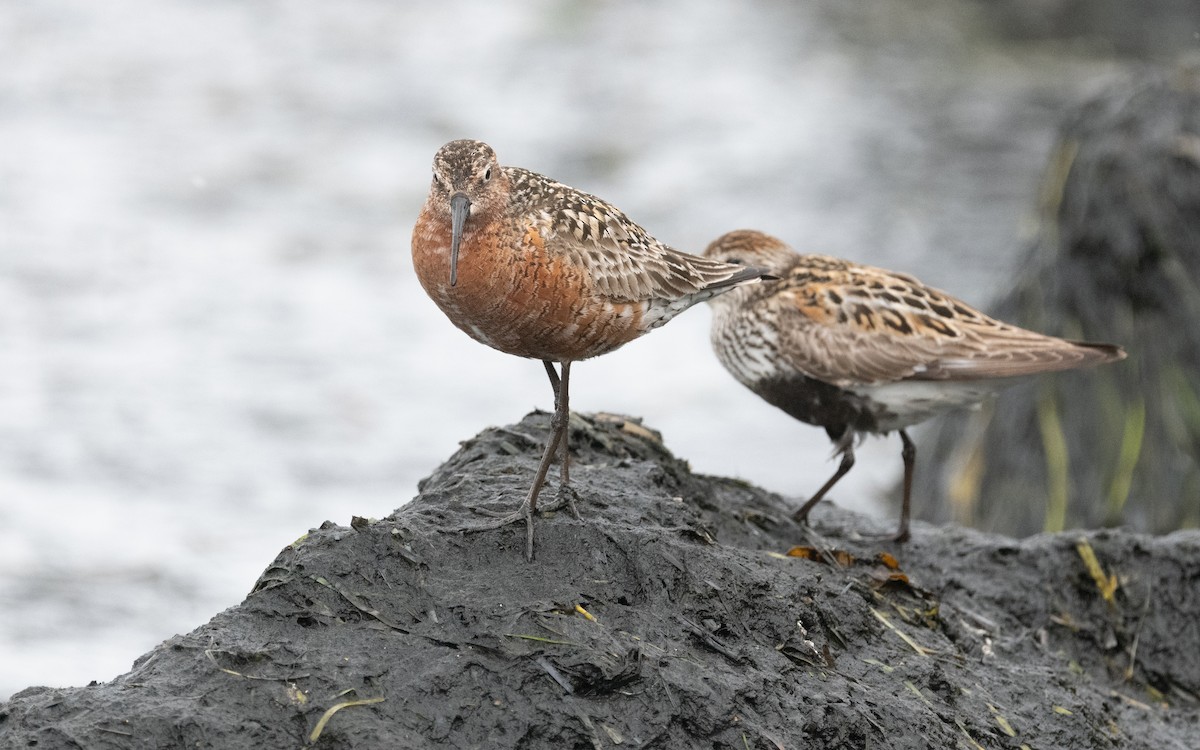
(735, 261)
(487, 174)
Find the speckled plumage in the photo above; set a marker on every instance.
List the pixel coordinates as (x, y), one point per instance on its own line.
(538, 269)
(857, 349)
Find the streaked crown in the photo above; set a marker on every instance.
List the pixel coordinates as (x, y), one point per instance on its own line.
(752, 248)
(466, 166)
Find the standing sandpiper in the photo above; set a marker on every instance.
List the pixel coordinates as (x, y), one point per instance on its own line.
(538, 269)
(856, 349)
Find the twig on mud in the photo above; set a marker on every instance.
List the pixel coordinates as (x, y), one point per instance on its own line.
(587, 722)
(971, 739)
(541, 639)
(616, 737)
(555, 675)
(1137, 636)
(1131, 701)
(329, 712)
(210, 653)
(1001, 721)
(359, 605)
(708, 639)
(118, 732)
(667, 689)
(375, 614)
(832, 629)
(903, 636)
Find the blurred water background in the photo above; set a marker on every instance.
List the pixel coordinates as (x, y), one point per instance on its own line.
(211, 338)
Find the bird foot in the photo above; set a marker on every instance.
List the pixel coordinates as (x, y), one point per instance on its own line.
(505, 516)
(566, 499)
(523, 513)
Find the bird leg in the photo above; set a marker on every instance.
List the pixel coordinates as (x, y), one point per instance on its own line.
(529, 504)
(558, 434)
(909, 453)
(562, 415)
(801, 516)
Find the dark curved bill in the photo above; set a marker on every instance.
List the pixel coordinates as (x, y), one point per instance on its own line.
(460, 209)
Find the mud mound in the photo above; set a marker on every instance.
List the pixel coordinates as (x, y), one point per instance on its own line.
(671, 616)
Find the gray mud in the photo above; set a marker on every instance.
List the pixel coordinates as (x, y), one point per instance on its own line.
(671, 617)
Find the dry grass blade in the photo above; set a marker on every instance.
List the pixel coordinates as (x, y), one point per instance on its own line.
(903, 636)
(211, 654)
(329, 712)
(1105, 583)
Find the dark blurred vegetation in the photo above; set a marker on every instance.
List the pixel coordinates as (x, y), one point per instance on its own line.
(1117, 259)
(1153, 29)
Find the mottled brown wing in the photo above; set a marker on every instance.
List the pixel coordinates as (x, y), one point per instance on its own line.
(845, 330)
(622, 260)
